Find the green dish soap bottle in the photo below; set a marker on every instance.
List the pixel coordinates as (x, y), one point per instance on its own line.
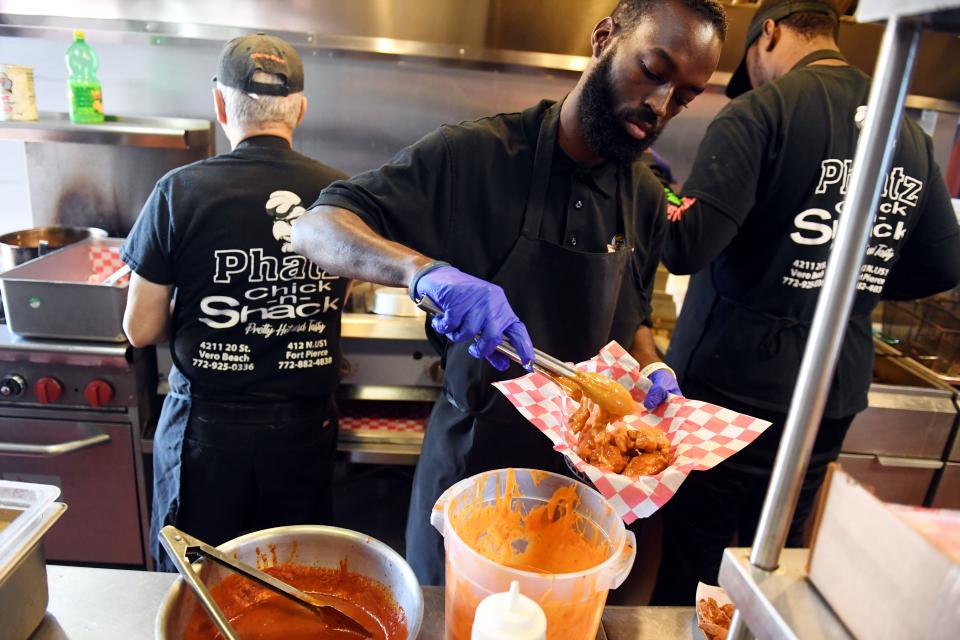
(86, 98)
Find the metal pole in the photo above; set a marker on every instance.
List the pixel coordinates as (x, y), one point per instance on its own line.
(871, 162)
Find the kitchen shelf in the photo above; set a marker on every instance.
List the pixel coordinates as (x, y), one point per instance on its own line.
(372, 326)
(155, 133)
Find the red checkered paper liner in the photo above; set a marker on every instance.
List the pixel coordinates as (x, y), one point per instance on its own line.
(384, 415)
(104, 262)
(376, 423)
(701, 434)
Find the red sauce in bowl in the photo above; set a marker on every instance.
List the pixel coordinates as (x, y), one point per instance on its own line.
(256, 613)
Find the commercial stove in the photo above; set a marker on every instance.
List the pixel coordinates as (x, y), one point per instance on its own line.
(71, 415)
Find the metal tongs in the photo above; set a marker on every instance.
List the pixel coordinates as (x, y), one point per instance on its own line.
(543, 362)
(184, 549)
(115, 277)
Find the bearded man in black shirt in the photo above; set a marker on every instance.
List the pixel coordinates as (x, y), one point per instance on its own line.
(543, 221)
(755, 226)
(248, 430)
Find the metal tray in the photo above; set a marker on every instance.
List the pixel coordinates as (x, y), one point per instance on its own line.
(21, 506)
(23, 575)
(57, 295)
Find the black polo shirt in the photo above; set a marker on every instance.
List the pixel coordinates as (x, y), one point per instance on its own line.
(459, 194)
(762, 205)
(252, 320)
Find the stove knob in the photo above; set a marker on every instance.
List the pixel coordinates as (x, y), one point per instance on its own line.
(47, 390)
(12, 385)
(98, 393)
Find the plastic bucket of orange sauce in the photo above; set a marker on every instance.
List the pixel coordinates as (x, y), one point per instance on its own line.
(560, 539)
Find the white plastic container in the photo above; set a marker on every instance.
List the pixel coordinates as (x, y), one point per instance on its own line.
(572, 602)
(509, 616)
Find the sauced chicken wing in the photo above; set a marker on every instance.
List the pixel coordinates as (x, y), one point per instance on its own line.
(651, 439)
(599, 448)
(578, 420)
(613, 446)
(713, 619)
(647, 464)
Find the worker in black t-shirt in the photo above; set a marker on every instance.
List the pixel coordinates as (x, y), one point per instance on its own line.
(541, 221)
(248, 430)
(755, 225)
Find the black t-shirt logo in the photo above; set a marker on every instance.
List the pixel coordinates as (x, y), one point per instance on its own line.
(284, 207)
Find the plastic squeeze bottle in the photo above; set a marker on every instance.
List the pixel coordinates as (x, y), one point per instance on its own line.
(86, 100)
(509, 616)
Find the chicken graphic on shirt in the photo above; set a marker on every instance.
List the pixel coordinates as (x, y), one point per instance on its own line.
(284, 207)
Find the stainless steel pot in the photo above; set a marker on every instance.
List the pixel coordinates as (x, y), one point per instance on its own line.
(18, 247)
(309, 545)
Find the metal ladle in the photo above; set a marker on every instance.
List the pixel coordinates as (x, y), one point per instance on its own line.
(181, 547)
(608, 393)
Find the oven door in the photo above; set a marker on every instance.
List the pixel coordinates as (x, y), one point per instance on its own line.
(93, 464)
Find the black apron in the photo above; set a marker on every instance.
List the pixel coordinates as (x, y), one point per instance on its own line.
(753, 355)
(222, 469)
(572, 303)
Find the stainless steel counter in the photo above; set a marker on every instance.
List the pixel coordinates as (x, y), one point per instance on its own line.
(101, 604)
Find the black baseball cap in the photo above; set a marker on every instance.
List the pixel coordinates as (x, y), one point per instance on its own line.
(243, 56)
(775, 10)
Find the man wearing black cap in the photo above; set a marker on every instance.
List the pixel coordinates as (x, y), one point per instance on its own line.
(248, 430)
(755, 226)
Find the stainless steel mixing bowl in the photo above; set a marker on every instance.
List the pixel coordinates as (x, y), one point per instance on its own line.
(308, 545)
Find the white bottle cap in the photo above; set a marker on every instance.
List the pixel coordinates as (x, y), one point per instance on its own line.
(509, 616)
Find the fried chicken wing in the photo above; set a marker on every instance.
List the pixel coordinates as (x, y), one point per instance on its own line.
(578, 420)
(646, 464)
(614, 446)
(713, 619)
(649, 439)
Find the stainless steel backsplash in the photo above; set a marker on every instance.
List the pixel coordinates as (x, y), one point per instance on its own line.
(361, 111)
(379, 73)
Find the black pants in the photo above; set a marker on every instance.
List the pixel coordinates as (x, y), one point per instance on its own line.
(225, 469)
(711, 507)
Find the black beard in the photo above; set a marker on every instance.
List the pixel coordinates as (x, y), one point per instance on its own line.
(603, 128)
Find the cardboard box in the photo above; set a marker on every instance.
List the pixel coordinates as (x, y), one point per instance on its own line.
(888, 571)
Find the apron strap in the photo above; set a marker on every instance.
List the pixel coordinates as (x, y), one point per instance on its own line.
(540, 181)
(771, 343)
(629, 231)
(822, 54)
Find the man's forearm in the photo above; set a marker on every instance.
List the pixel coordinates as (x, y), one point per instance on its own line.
(341, 243)
(696, 235)
(643, 349)
(146, 319)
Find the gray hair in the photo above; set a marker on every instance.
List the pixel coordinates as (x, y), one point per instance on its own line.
(245, 109)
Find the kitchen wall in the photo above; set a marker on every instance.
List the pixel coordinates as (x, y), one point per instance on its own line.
(362, 110)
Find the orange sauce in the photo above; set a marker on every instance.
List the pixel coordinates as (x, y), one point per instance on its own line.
(606, 392)
(257, 613)
(553, 538)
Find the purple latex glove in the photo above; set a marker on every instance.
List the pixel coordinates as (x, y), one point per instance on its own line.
(474, 308)
(664, 383)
